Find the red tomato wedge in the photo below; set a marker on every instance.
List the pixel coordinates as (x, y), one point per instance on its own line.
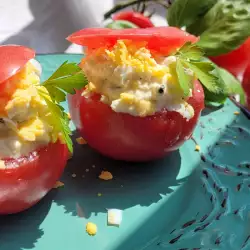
(125, 137)
(136, 18)
(26, 180)
(13, 59)
(246, 85)
(235, 61)
(161, 39)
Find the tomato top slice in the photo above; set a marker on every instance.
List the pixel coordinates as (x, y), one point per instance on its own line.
(161, 39)
(12, 59)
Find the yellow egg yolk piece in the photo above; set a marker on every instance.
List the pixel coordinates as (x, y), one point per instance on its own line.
(132, 80)
(26, 121)
(106, 176)
(91, 228)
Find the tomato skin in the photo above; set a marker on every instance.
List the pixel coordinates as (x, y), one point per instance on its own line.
(13, 59)
(134, 17)
(235, 61)
(246, 85)
(25, 181)
(161, 39)
(125, 137)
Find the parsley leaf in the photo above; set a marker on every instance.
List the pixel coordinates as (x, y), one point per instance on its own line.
(204, 72)
(65, 79)
(185, 80)
(190, 51)
(60, 119)
(218, 84)
(190, 56)
(233, 85)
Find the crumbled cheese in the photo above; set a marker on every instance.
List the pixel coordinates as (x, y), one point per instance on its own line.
(81, 141)
(59, 184)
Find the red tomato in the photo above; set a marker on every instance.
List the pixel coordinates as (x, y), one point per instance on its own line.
(26, 180)
(161, 39)
(122, 136)
(125, 137)
(235, 61)
(13, 58)
(134, 17)
(246, 85)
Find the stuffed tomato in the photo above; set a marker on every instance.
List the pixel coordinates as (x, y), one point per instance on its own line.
(133, 107)
(32, 153)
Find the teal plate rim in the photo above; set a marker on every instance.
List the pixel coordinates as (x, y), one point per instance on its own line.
(188, 200)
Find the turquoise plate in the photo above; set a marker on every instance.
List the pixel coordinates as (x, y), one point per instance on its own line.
(189, 200)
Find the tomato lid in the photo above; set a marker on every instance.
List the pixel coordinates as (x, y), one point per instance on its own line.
(162, 39)
(12, 59)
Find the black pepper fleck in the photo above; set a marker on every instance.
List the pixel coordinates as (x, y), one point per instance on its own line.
(161, 90)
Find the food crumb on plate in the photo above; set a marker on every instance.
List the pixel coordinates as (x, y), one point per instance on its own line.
(59, 184)
(93, 166)
(99, 194)
(87, 170)
(73, 175)
(105, 175)
(236, 113)
(114, 217)
(81, 141)
(197, 148)
(91, 228)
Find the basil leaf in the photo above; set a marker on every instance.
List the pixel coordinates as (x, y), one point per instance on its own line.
(121, 24)
(224, 28)
(185, 12)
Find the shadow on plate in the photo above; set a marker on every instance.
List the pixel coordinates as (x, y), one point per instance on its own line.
(211, 109)
(218, 216)
(22, 230)
(133, 183)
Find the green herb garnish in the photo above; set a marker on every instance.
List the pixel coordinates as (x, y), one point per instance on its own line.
(66, 79)
(190, 56)
(217, 83)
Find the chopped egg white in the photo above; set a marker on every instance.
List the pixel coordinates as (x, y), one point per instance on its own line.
(132, 80)
(114, 217)
(25, 117)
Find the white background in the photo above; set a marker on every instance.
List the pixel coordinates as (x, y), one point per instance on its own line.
(44, 24)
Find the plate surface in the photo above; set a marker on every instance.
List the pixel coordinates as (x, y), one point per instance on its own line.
(189, 200)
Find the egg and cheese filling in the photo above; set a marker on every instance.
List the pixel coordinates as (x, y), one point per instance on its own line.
(25, 117)
(133, 80)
